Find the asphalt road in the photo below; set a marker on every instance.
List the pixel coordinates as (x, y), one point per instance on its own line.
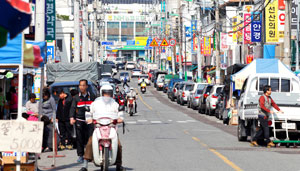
(164, 136)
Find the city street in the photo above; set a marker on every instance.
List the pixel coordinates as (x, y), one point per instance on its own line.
(166, 136)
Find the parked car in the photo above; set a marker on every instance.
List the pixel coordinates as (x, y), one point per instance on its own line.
(136, 73)
(145, 77)
(124, 75)
(202, 101)
(166, 86)
(171, 86)
(188, 86)
(212, 99)
(120, 60)
(130, 66)
(196, 92)
(221, 111)
(179, 91)
(172, 93)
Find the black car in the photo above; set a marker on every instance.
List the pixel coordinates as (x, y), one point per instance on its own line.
(202, 102)
(120, 66)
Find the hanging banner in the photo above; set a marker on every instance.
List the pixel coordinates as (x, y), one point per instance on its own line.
(240, 34)
(224, 45)
(202, 46)
(247, 29)
(194, 29)
(195, 44)
(271, 22)
(294, 11)
(207, 46)
(51, 17)
(281, 19)
(234, 28)
(256, 27)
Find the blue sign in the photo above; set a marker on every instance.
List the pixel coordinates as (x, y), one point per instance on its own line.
(107, 43)
(148, 48)
(149, 40)
(130, 42)
(188, 32)
(194, 29)
(256, 27)
(50, 52)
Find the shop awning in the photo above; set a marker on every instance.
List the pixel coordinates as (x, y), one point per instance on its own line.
(130, 47)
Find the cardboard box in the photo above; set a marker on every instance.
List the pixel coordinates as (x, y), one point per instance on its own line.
(10, 157)
(24, 167)
(234, 118)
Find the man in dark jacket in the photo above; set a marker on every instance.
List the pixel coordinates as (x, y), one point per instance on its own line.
(80, 105)
(63, 116)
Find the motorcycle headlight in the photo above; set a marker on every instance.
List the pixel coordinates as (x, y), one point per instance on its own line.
(104, 121)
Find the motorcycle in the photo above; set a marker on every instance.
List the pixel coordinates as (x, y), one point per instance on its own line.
(105, 142)
(121, 102)
(131, 105)
(143, 88)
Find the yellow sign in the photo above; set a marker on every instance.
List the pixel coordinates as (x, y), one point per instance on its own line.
(207, 46)
(164, 43)
(141, 41)
(234, 35)
(153, 43)
(272, 22)
(116, 50)
(169, 58)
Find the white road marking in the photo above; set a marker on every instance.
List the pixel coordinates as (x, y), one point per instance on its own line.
(131, 122)
(191, 120)
(170, 120)
(142, 120)
(156, 122)
(181, 121)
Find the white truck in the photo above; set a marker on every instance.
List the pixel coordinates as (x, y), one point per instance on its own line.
(285, 93)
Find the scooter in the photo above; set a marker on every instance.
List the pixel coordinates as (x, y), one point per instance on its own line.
(105, 142)
(131, 105)
(143, 87)
(121, 104)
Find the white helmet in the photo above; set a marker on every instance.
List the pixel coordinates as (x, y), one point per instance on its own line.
(106, 89)
(131, 88)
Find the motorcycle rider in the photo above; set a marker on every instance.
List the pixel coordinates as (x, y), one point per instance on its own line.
(143, 84)
(104, 106)
(132, 94)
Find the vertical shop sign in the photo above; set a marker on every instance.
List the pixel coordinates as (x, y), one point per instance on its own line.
(256, 27)
(224, 45)
(50, 14)
(247, 28)
(207, 46)
(272, 22)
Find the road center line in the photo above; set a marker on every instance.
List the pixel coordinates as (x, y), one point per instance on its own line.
(148, 106)
(225, 159)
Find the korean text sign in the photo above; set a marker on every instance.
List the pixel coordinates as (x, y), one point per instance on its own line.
(256, 27)
(247, 29)
(50, 19)
(207, 46)
(21, 136)
(271, 22)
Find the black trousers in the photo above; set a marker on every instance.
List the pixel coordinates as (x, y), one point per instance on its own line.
(83, 132)
(65, 130)
(263, 130)
(48, 136)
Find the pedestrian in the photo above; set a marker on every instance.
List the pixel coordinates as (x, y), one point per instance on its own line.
(73, 93)
(80, 105)
(125, 82)
(62, 114)
(32, 108)
(264, 111)
(13, 103)
(48, 112)
(2, 103)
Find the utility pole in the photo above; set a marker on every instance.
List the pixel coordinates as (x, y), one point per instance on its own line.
(185, 73)
(287, 34)
(218, 77)
(199, 79)
(76, 32)
(297, 43)
(180, 40)
(84, 33)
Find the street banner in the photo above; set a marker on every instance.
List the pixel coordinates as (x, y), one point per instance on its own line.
(272, 21)
(195, 45)
(240, 34)
(194, 29)
(234, 28)
(256, 27)
(294, 11)
(247, 29)
(207, 46)
(224, 45)
(51, 17)
(281, 20)
(202, 45)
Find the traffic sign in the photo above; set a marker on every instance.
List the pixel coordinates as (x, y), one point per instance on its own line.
(172, 42)
(164, 43)
(153, 43)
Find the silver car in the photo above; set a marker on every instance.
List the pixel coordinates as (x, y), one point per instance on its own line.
(172, 94)
(188, 86)
(195, 95)
(212, 99)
